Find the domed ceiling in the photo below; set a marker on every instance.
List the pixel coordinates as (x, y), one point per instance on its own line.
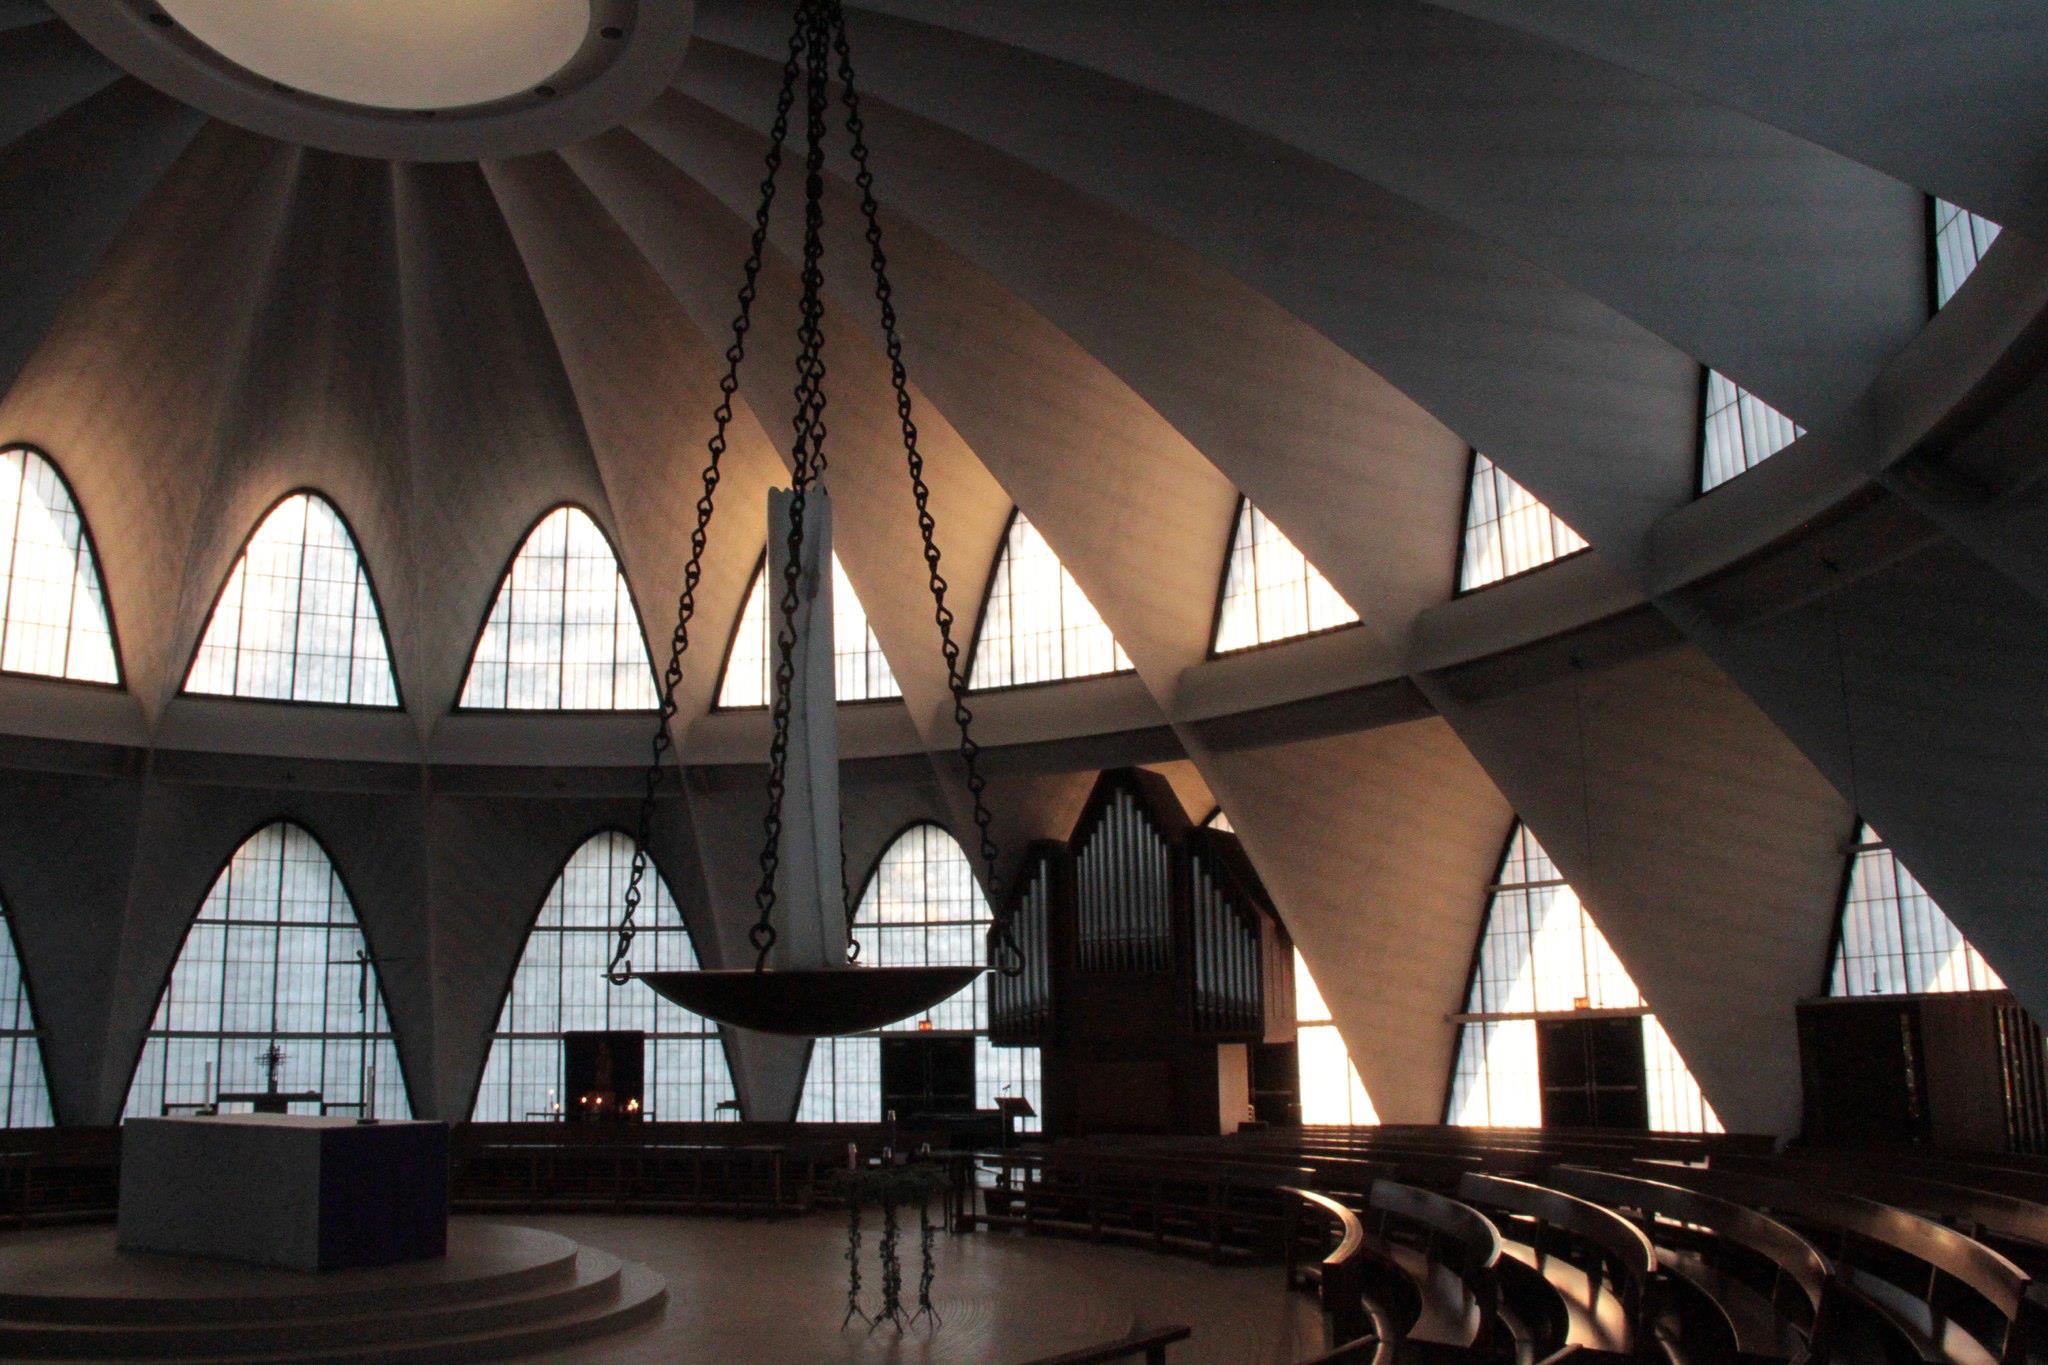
(1151, 257)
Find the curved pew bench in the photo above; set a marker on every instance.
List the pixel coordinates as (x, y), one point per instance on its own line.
(1766, 1284)
(1578, 1275)
(1949, 1297)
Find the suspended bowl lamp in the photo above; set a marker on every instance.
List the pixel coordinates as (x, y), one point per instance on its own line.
(807, 979)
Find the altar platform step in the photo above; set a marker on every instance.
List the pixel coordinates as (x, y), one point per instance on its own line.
(501, 1291)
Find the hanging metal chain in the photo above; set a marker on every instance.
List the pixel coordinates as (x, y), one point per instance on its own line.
(1004, 953)
(807, 456)
(693, 571)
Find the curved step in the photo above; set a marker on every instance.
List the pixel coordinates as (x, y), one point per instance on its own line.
(642, 1296)
(80, 1278)
(592, 1288)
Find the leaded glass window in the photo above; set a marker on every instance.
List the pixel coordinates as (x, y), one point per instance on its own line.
(1507, 531)
(1894, 939)
(1960, 240)
(1330, 1089)
(860, 671)
(1270, 590)
(1739, 431)
(275, 983)
(921, 908)
(297, 620)
(1541, 956)
(24, 1093)
(53, 612)
(560, 985)
(1039, 626)
(562, 634)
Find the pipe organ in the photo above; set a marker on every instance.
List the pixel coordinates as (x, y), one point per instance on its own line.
(1157, 971)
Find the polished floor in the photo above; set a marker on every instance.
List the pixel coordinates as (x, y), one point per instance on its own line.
(772, 1292)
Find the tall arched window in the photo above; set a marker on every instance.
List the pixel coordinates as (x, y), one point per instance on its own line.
(1507, 531)
(53, 612)
(274, 989)
(921, 907)
(1894, 939)
(1738, 431)
(860, 671)
(562, 634)
(1545, 983)
(560, 985)
(1960, 240)
(1038, 625)
(1331, 1091)
(296, 620)
(24, 1092)
(1270, 590)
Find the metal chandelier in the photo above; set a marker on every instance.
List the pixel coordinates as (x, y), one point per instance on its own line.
(806, 978)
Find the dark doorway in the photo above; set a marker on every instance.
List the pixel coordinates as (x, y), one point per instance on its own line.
(602, 1075)
(927, 1074)
(1865, 1072)
(1592, 1073)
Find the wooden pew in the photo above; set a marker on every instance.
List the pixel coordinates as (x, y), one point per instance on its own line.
(1595, 1292)
(1767, 1284)
(1354, 1306)
(1223, 1210)
(1947, 1296)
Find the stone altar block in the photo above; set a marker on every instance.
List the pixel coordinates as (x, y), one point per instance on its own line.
(289, 1190)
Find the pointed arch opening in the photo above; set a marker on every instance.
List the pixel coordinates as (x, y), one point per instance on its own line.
(1270, 590)
(1960, 240)
(24, 1088)
(920, 906)
(559, 986)
(1893, 939)
(1554, 1031)
(1037, 626)
(562, 633)
(274, 989)
(297, 619)
(53, 608)
(1508, 531)
(861, 671)
(1738, 430)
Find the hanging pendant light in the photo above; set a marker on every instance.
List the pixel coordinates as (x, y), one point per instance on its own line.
(807, 979)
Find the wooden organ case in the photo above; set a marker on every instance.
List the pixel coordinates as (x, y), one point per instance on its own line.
(1157, 971)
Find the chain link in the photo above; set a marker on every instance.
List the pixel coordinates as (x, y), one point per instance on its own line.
(1004, 953)
(620, 970)
(807, 457)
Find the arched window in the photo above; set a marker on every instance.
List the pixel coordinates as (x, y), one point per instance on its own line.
(1038, 625)
(297, 620)
(1507, 531)
(562, 634)
(560, 986)
(1894, 939)
(1270, 590)
(860, 672)
(1542, 965)
(24, 1093)
(53, 613)
(1330, 1089)
(1960, 240)
(1738, 431)
(921, 907)
(275, 989)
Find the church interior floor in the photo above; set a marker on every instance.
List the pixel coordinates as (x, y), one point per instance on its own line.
(773, 1291)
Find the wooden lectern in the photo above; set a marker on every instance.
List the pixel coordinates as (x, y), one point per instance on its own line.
(1012, 1108)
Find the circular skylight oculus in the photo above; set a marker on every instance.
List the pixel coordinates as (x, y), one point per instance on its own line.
(394, 54)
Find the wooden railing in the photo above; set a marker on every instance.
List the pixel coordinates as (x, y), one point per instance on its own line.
(1149, 1342)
